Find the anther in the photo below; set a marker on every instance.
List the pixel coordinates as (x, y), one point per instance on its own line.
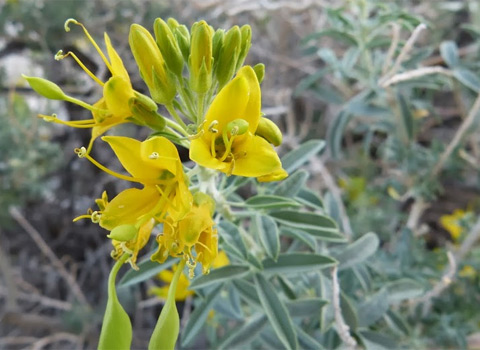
(154, 155)
(59, 55)
(49, 118)
(212, 125)
(66, 26)
(95, 217)
(81, 152)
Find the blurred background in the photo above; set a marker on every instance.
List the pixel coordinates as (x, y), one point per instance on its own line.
(402, 155)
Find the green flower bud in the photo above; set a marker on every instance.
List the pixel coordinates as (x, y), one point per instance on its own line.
(144, 115)
(227, 61)
(269, 131)
(168, 46)
(123, 233)
(259, 70)
(200, 61)
(172, 24)
(245, 46)
(151, 65)
(217, 43)
(183, 39)
(46, 88)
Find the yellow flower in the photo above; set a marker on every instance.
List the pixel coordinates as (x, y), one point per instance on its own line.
(155, 163)
(112, 109)
(228, 141)
(452, 223)
(467, 271)
(194, 231)
(182, 291)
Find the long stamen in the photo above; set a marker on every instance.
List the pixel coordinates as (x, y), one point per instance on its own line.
(86, 216)
(60, 56)
(74, 21)
(82, 153)
(79, 124)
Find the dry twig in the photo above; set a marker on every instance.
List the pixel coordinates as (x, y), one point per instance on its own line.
(342, 328)
(37, 238)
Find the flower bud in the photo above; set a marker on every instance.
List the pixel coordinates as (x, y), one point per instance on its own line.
(183, 39)
(217, 44)
(46, 88)
(123, 233)
(200, 61)
(245, 46)
(151, 64)
(143, 113)
(259, 70)
(168, 46)
(227, 61)
(269, 131)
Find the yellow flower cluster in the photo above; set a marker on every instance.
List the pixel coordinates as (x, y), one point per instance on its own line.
(220, 100)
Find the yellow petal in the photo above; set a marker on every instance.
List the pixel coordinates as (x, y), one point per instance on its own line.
(252, 113)
(118, 69)
(200, 153)
(230, 104)
(275, 176)
(166, 276)
(117, 91)
(128, 206)
(128, 153)
(255, 157)
(158, 152)
(142, 238)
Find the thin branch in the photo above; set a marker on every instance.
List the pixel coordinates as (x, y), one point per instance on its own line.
(37, 238)
(462, 130)
(405, 51)
(439, 287)
(416, 73)
(342, 328)
(32, 297)
(392, 48)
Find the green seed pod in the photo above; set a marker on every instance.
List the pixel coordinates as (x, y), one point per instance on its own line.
(116, 330)
(123, 233)
(168, 46)
(167, 328)
(237, 127)
(269, 131)
(46, 88)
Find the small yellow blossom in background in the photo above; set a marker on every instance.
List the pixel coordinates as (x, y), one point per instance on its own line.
(183, 283)
(228, 141)
(452, 223)
(166, 276)
(467, 272)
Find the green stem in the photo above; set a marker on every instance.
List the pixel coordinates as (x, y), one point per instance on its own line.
(84, 104)
(200, 107)
(187, 102)
(176, 127)
(113, 275)
(175, 115)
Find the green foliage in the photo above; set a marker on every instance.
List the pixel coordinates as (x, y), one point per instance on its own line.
(26, 159)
